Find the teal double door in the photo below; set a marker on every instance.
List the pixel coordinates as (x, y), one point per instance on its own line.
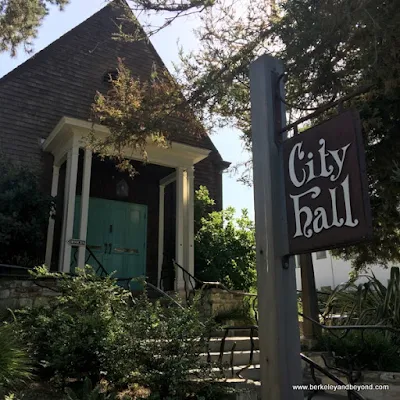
(116, 235)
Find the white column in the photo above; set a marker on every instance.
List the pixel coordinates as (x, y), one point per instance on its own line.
(180, 222)
(50, 228)
(87, 171)
(190, 220)
(65, 209)
(160, 233)
(69, 207)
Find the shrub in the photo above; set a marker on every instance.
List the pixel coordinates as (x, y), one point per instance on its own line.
(24, 215)
(15, 365)
(162, 350)
(224, 245)
(72, 336)
(374, 350)
(368, 303)
(95, 330)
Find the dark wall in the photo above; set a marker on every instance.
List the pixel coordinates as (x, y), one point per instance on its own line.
(208, 173)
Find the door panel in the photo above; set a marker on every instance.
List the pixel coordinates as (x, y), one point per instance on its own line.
(97, 234)
(128, 256)
(117, 233)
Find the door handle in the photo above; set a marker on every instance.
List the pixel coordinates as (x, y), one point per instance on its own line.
(105, 248)
(109, 248)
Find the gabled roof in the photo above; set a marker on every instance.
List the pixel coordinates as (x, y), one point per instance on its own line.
(62, 80)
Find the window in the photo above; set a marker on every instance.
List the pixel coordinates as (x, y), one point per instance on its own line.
(110, 76)
(321, 255)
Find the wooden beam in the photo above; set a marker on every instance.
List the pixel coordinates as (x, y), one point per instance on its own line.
(276, 281)
(309, 298)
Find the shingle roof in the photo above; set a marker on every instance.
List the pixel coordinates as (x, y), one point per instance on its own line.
(62, 79)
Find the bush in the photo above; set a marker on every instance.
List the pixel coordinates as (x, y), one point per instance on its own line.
(162, 350)
(72, 336)
(376, 351)
(95, 330)
(368, 303)
(24, 216)
(15, 365)
(224, 245)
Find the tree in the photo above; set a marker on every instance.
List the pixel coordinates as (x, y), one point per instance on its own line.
(24, 216)
(20, 21)
(329, 49)
(138, 112)
(224, 245)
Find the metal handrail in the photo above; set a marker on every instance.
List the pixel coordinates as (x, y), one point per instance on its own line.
(100, 266)
(211, 284)
(314, 366)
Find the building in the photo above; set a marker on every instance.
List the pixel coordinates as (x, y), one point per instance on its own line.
(330, 271)
(131, 226)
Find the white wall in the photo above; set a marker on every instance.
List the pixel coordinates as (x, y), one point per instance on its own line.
(331, 271)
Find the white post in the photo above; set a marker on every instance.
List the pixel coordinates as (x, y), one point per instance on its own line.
(190, 220)
(277, 299)
(72, 166)
(160, 233)
(65, 209)
(50, 228)
(180, 217)
(87, 172)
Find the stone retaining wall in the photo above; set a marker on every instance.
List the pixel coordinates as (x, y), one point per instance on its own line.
(216, 301)
(19, 293)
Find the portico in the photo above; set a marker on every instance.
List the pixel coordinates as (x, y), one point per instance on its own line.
(66, 144)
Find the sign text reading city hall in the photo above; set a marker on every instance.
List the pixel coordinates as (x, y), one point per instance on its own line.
(326, 189)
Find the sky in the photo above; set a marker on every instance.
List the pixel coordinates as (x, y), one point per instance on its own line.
(226, 140)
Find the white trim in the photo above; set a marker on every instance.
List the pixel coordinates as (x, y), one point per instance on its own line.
(87, 171)
(179, 255)
(175, 155)
(73, 156)
(160, 233)
(190, 220)
(50, 228)
(65, 210)
(168, 179)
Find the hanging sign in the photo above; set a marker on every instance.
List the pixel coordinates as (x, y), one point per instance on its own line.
(327, 201)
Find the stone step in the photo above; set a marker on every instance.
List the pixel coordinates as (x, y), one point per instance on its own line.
(242, 343)
(251, 373)
(329, 396)
(239, 357)
(235, 332)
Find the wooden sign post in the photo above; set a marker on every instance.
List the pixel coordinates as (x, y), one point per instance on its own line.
(310, 193)
(277, 299)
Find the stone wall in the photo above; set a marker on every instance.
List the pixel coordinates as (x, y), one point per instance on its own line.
(19, 293)
(216, 301)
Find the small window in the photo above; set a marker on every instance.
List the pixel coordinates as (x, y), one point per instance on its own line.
(321, 255)
(110, 76)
